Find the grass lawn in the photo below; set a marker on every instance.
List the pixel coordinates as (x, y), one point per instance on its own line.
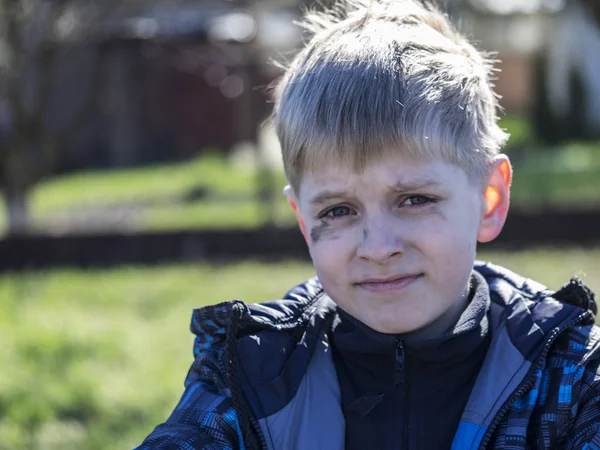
(159, 191)
(95, 359)
(154, 183)
(561, 178)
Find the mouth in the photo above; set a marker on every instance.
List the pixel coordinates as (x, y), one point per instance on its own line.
(388, 284)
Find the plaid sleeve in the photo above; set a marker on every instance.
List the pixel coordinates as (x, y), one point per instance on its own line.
(585, 434)
(203, 420)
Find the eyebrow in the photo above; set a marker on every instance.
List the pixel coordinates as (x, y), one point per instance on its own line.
(411, 185)
(325, 196)
(399, 186)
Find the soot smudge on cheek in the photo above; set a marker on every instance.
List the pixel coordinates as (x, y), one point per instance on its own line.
(320, 231)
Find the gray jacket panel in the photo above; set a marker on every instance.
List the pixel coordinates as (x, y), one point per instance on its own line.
(313, 419)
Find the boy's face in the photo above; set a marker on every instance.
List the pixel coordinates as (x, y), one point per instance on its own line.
(394, 245)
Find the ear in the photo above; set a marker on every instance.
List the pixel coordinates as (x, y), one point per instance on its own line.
(496, 199)
(293, 201)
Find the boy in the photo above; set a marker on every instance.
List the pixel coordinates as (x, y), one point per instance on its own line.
(387, 122)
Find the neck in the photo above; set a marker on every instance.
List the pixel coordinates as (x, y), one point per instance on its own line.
(445, 322)
(440, 326)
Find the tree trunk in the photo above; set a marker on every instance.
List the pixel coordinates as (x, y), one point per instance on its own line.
(124, 108)
(17, 211)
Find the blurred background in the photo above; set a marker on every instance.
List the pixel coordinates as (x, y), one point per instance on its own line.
(140, 179)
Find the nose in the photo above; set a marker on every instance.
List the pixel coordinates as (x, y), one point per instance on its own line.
(380, 241)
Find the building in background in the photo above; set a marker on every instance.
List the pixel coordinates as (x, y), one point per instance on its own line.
(550, 60)
(176, 78)
(517, 31)
(569, 76)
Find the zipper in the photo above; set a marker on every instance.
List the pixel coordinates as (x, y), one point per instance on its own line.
(400, 361)
(401, 377)
(529, 380)
(226, 368)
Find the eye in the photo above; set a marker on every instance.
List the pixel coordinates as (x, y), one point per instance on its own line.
(416, 200)
(339, 211)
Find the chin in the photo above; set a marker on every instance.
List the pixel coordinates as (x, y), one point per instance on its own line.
(389, 326)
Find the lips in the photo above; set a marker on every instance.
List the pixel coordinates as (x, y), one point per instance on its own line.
(392, 283)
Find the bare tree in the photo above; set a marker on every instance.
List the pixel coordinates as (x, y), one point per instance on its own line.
(33, 33)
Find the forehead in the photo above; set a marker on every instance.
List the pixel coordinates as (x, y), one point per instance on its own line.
(396, 172)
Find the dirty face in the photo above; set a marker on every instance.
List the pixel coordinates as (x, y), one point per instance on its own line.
(394, 245)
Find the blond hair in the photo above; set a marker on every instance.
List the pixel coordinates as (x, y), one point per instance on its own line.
(385, 76)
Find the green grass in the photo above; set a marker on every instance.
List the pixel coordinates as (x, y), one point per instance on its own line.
(230, 204)
(95, 359)
(160, 182)
(162, 188)
(213, 214)
(550, 267)
(204, 215)
(565, 191)
(520, 130)
(565, 178)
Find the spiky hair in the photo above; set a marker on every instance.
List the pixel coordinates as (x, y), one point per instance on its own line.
(378, 77)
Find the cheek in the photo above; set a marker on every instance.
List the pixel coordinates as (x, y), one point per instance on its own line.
(326, 252)
(326, 236)
(331, 256)
(329, 272)
(322, 231)
(449, 240)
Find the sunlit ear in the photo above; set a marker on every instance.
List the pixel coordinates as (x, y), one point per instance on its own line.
(293, 201)
(497, 199)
